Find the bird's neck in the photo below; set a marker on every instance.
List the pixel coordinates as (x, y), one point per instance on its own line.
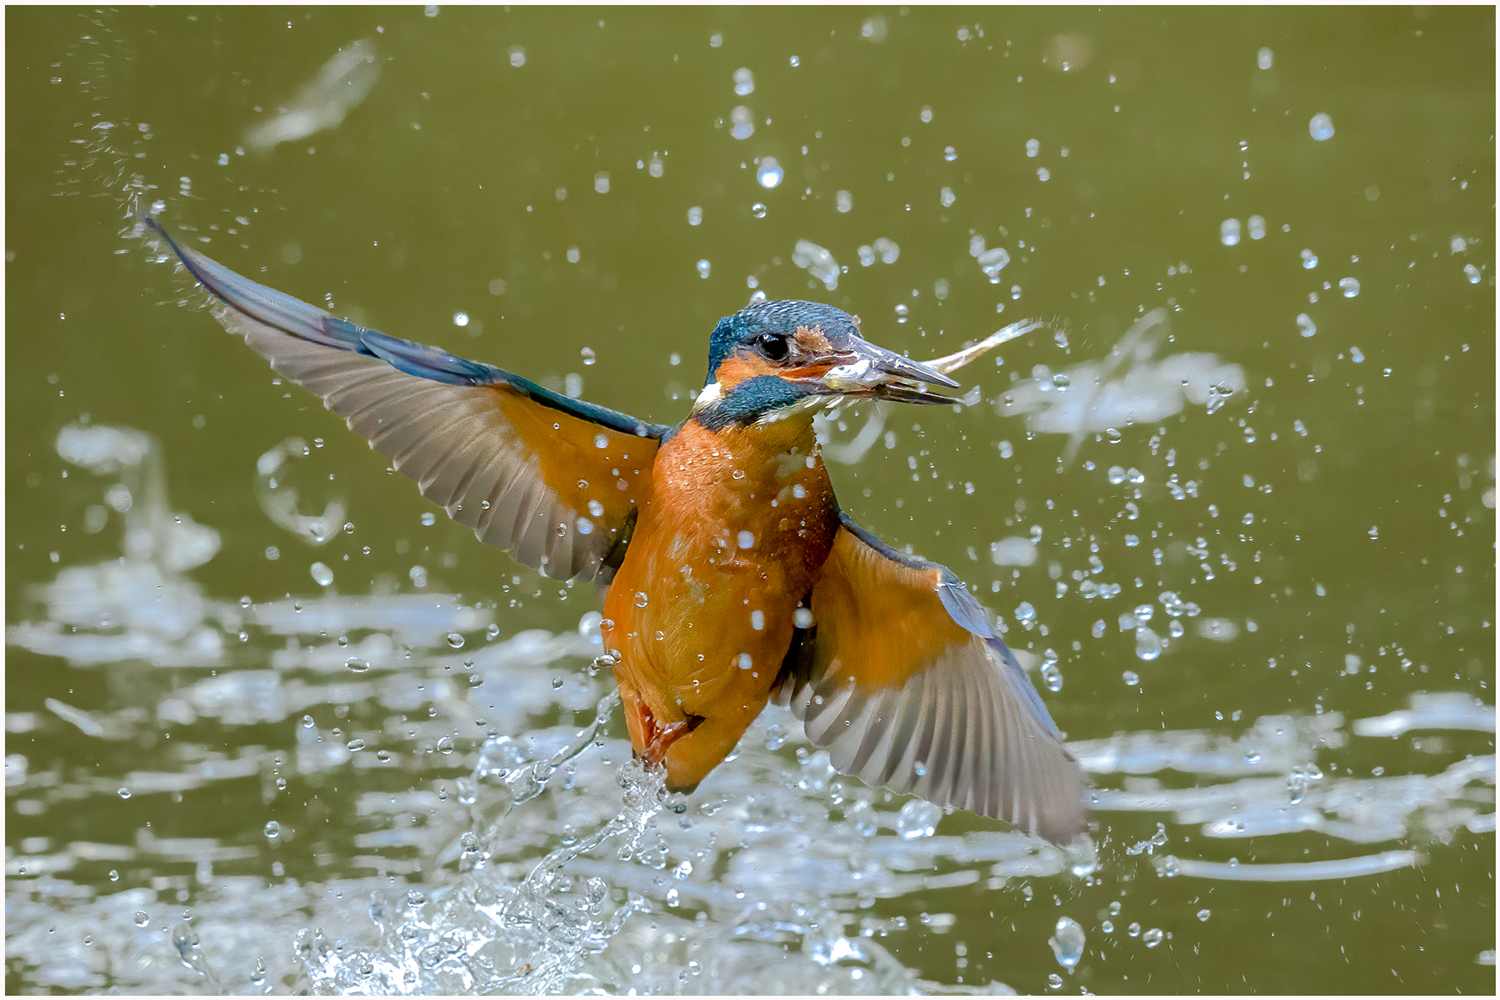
(761, 399)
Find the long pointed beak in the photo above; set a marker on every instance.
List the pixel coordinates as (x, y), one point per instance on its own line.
(884, 374)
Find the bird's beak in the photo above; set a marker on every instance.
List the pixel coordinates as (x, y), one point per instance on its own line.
(881, 374)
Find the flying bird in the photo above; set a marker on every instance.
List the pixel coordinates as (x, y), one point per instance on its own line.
(730, 574)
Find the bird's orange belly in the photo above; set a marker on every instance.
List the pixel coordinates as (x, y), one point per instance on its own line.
(702, 611)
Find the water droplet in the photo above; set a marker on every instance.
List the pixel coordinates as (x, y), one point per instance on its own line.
(517, 56)
(703, 268)
(321, 574)
(1472, 273)
(758, 210)
(1320, 127)
(1131, 678)
(141, 919)
(817, 261)
(1309, 259)
(1229, 232)
(1263, 58)
(455, 640)
(746, 540)
(1067, 942)
(758, 620)
(1349, 286)
(1306, 325)
(272, 830)
(124, 793)
(1033, 147)
(1257, 227)
(355, 744)
(641, 600)
(802, 618)
(1153, 937)
(741, 123)
(744, 82)
(1052, 677)
(992, 261)
(357, 665)
(1147, 643)
(769, 173)
(918, 819)
(445, 745)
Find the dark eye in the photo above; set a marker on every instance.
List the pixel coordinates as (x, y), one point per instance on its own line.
(772, 345)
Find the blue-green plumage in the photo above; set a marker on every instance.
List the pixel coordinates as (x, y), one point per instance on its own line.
(752, 399)
(780, 318)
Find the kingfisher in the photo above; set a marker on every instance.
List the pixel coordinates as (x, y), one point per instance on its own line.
(730, 574)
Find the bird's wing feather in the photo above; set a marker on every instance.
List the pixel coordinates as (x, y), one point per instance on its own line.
(556, 480)
(903, 679)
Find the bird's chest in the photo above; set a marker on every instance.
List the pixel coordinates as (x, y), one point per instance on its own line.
(736, 532)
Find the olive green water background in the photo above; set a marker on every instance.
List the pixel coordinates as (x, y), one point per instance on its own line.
(1333, 522)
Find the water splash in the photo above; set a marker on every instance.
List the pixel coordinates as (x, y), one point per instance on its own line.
(1130, 385)
(340, 86)
(278, 474)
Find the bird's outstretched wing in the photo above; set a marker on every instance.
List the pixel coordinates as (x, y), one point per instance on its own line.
(903, 679)
(557, 481)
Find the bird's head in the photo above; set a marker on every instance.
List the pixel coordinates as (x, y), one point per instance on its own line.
(774, 359)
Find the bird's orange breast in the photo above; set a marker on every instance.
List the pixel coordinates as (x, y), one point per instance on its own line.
(702, 610)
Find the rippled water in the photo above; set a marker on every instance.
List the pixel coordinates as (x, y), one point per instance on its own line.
(530, 854)
(272, 725)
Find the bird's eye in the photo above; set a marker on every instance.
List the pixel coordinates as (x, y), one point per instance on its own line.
(772, 345)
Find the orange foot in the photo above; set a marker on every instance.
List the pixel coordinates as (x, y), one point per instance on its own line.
(650, 737)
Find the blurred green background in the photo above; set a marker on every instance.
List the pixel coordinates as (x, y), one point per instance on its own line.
(566, 194)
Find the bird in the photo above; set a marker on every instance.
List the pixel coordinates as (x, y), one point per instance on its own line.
(731, 576)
